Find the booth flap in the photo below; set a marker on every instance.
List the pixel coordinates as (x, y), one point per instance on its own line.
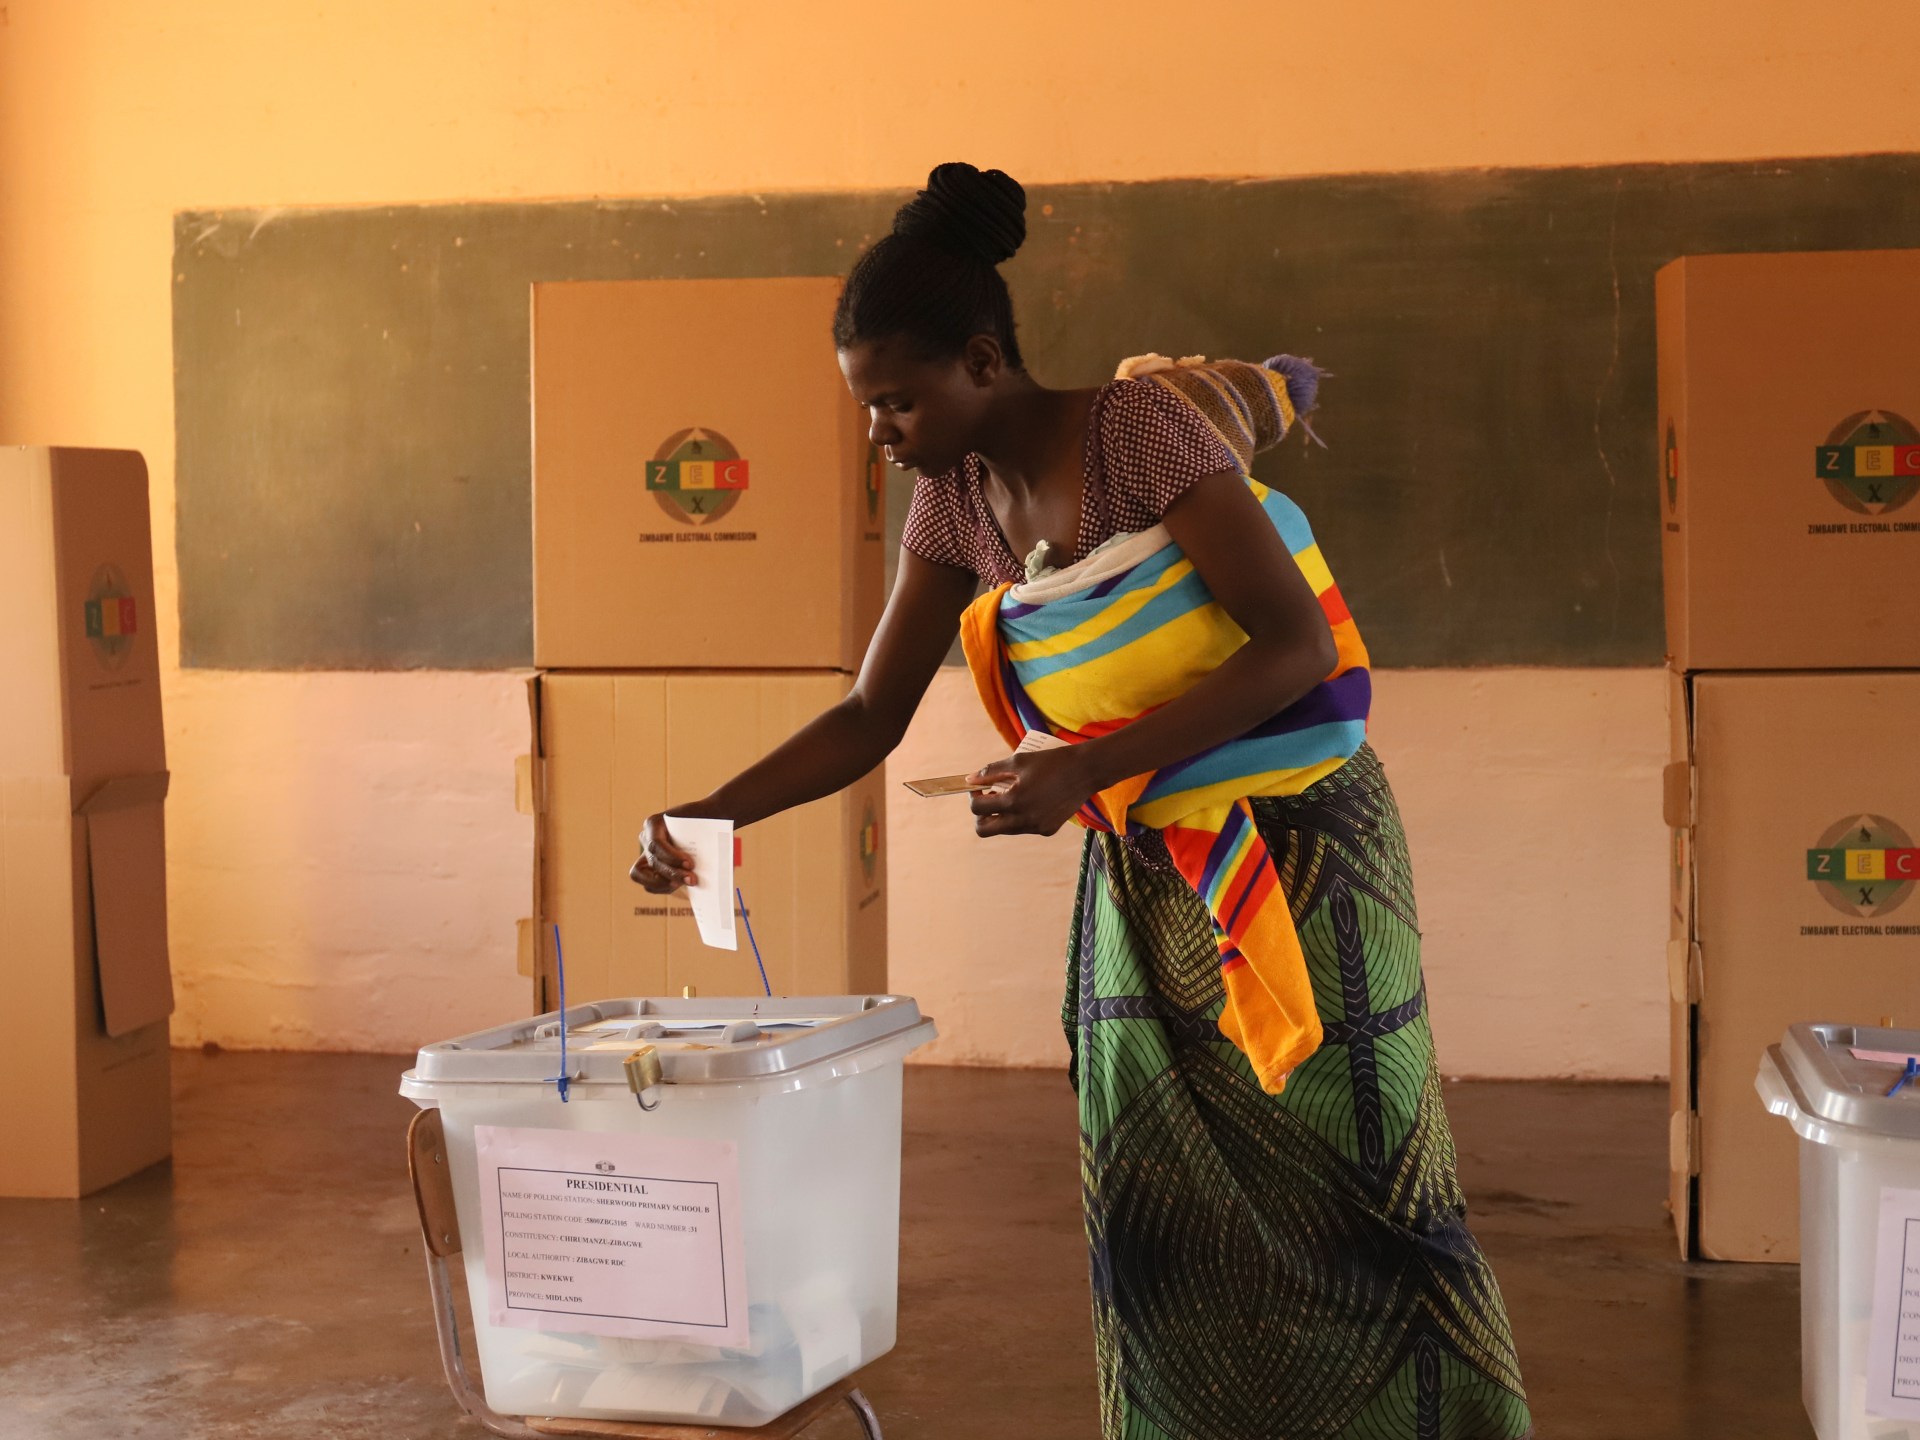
(127, 869)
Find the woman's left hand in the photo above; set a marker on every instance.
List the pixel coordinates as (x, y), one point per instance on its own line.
(1034, 794)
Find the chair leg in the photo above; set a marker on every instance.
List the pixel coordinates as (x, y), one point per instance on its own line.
(446, 1324)
(869, 1422)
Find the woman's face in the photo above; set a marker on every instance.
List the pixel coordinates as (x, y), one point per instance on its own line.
(924, 414)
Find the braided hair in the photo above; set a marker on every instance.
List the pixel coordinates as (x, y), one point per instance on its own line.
(933, 280)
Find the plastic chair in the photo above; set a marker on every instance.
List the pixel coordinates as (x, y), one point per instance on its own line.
(440, 1229)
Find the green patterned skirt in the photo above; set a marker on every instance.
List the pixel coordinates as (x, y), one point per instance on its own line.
(1290, 1267)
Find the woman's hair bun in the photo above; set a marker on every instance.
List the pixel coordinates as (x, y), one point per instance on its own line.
(981, 214)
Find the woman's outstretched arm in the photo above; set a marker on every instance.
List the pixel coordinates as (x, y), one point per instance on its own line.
(836, 748)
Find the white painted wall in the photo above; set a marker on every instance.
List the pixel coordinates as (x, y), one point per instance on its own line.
(348, 868)
(345, 862)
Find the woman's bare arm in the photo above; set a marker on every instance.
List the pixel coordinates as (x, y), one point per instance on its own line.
(843, 744)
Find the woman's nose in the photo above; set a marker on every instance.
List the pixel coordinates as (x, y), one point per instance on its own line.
(883, 432)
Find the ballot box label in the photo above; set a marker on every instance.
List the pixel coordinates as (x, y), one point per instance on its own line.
(1893, 1351)
(612, 1234)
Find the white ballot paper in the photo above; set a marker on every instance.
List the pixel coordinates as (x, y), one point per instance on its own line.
(710, 842)
(1893, 1351)
(1038, 740)
(625, 1235)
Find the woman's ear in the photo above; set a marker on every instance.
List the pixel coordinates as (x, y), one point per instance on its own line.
(984, 360)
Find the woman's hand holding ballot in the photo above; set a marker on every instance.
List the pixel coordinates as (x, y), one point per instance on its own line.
(1034, 793)
(663, 867)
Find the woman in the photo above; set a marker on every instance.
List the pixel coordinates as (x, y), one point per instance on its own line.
(1278, 1241)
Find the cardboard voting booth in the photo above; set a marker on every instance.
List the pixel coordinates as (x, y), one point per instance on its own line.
(704, 495)
(1796, 898)
(1789, 396)
(83, 781)
(708, 569)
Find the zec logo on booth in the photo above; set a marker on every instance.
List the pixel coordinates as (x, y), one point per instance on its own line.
(1871, 462)
(697, 476)
(1864, 866)
(111, 617)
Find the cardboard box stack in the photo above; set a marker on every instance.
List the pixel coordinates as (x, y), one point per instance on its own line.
(83, 777)
(707, 571)
(1790, 420)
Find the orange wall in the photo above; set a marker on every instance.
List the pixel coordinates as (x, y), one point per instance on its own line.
(289, 927)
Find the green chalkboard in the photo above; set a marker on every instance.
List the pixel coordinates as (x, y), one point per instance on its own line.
(351, 385)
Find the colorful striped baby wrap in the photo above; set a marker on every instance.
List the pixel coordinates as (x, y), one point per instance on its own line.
(1086, 650)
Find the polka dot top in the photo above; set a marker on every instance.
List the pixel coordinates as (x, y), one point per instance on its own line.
(1145, 447)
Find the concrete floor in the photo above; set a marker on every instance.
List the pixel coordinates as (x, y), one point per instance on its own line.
(269, 1282)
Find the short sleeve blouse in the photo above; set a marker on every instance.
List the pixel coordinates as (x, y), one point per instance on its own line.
(1145, 448)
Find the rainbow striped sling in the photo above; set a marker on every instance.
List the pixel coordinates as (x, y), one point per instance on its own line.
(1087, 650)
